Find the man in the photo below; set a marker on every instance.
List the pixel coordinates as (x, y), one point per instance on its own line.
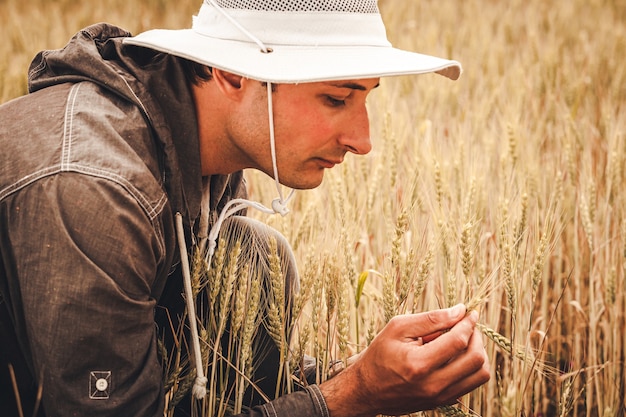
(128, 149)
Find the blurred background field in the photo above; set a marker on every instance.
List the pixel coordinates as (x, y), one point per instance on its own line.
(506, 189)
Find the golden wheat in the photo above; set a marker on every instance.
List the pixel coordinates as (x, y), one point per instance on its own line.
(510, 181)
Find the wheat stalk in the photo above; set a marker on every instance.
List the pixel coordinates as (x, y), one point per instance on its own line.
(241, 300)
(505, 344)
(423, 272)
(276, 309)
(452, 411)
(343, 317)
(467, 254)
(438, 183)
(585, 213)
(215, 270)
(521, 226)
(389, 297)
(537, 270)
(512, 145)
(507, 270)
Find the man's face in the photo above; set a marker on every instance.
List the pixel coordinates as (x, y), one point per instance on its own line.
(315, 124)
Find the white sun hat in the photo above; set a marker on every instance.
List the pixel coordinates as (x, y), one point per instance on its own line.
(293, 41)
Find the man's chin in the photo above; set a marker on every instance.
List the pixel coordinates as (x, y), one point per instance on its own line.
(303, 180)
(301, 186)
(303, 183)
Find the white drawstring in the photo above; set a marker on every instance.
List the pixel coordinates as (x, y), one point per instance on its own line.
(256, 40)
(270, 112)
(279, 205)
(199, 386)
(239, 204)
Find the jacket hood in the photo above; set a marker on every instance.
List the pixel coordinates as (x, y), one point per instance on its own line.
(97, 54)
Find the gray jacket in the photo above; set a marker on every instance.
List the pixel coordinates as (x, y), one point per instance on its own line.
(94, 163)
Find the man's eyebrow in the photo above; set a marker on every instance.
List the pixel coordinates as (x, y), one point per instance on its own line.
(352, 85)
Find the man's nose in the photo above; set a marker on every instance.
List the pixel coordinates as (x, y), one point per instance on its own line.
(356, 134)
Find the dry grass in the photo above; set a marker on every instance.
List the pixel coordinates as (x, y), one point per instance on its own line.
(504, 189)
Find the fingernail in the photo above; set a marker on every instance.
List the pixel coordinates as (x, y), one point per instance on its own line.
(474, 316)
(457, 311)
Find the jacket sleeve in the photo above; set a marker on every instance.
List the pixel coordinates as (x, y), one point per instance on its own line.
(83, 256)
(306, 403)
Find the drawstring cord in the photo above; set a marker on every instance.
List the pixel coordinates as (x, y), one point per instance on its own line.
(279, 206)
(256, 40)
(199, 386)
(232, 207)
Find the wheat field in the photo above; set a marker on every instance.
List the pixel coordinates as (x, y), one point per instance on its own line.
(505, 190)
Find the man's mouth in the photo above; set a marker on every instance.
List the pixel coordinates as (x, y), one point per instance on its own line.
(329, 163)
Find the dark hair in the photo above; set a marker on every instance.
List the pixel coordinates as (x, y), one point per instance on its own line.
(195, 72)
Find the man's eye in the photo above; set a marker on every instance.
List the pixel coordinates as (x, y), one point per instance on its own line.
(335, 102)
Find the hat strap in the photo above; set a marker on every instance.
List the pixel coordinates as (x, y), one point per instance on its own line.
(256, 40)
(279, 205)
(264, 49)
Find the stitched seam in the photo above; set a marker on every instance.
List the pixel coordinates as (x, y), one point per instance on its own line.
(319, 399)
(152, 210)
(271, 412)
(29, 179)
(39, 68)
(136, 97)
(66, 164)
(68, 126)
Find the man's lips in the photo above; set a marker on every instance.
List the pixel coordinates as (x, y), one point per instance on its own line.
(329, 163)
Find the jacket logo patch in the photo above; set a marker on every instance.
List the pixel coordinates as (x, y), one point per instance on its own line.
(99, 385)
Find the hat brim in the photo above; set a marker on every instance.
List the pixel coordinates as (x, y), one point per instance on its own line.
(294, 64)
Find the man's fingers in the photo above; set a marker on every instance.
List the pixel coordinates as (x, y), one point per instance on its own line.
(449, 345)
(467, 384)
(425, 325)
(471, 360)
(468, 370)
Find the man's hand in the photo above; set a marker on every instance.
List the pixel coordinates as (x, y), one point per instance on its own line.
(417, 362)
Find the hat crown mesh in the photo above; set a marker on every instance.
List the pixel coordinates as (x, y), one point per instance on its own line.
(332, 6)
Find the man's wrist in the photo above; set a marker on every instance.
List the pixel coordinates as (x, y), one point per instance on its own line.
(343, 397)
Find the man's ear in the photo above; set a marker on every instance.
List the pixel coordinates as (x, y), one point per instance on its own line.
(228, 83)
